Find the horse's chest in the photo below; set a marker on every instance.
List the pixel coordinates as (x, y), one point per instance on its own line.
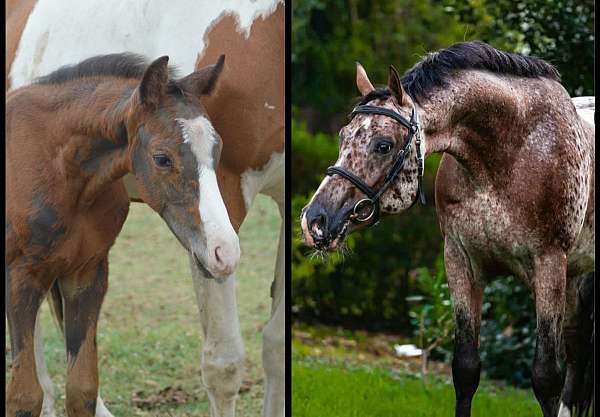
(482, 219)
(489, 232)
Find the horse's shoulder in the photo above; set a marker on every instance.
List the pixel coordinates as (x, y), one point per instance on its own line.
(449, 183)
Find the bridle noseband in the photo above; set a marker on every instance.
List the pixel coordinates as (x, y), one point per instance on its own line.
(373, 196)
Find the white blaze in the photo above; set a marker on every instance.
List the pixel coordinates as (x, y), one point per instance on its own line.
(219, 232)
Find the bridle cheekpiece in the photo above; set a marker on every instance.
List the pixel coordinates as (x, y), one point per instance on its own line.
(373, 197)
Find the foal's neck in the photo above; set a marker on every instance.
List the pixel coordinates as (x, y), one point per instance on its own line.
(479, 119)
(95, 112)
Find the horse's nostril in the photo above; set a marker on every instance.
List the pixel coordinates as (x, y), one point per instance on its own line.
(317, 227)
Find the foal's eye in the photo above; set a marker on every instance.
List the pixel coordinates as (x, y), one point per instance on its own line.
(162, 161)
(383, 147)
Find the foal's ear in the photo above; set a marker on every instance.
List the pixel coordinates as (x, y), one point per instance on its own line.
(362, 80)
(395, 85)
(154, 82)
(204, 81)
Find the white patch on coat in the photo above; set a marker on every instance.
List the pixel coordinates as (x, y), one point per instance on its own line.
(60, 33)
(268, 180)
(269, 106)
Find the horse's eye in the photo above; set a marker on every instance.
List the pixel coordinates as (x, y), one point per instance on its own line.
(383, 147)
(162, 161)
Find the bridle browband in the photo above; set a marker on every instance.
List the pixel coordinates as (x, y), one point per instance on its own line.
(373, 196)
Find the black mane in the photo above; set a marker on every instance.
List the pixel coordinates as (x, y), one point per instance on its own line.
(436, 68)
(122, 65)
(378, 93)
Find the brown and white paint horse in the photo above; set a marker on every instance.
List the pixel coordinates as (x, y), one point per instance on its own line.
(248, 113)
(70, 139)
(514, 195)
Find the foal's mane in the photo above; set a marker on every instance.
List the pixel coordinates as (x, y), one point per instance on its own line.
(436, 68)
(121, 65)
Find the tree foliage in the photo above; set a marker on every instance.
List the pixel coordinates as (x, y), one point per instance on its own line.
(329, 36)
(560, 31)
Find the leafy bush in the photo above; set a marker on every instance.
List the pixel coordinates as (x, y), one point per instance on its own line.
(432, 315)
(507, 327)
(508, 331)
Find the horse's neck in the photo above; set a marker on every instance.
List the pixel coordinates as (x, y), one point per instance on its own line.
(480, 119)
(97, 141)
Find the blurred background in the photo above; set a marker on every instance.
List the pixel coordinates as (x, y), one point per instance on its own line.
(392, 285)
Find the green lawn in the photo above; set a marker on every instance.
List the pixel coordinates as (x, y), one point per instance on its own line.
(149, 336)
(323, 390)
(343, 373)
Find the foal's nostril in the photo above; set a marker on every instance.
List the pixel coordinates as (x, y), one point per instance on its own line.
(218, 254)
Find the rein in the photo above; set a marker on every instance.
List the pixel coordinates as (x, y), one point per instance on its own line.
(373, 196)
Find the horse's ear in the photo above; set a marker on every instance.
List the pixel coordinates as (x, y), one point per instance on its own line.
(154, 82)
(362, 80)
(204, 81)
(395, 85)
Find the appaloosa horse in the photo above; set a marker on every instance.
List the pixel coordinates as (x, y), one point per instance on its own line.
(514, 195)
(70, 139)
(248, 113)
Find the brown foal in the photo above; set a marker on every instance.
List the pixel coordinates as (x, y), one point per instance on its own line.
(70, 139)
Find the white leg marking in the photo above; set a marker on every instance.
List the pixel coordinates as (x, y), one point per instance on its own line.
(222, 348)
(563, 411)
(101, 410)
(42, 370)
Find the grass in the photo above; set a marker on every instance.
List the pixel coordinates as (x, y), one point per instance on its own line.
(335, 374)
(324, 390)
(149, 335)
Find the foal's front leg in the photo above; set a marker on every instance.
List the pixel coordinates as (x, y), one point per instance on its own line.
(83, 295)
(467, 295)
(46, 382)
(222, 347)
(25, 292)
(549, 282)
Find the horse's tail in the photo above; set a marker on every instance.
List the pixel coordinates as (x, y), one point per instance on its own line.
(56, 305)
(584, 400)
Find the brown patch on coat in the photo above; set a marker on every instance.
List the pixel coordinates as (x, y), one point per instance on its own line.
(249, 109)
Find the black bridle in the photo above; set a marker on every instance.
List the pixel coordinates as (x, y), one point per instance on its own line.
(373, 196)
